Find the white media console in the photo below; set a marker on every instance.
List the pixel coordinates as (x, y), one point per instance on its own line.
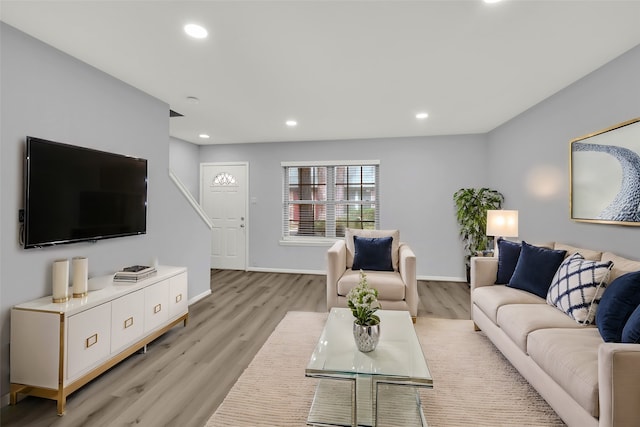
(56, 348)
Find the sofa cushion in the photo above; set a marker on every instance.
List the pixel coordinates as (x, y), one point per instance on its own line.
(620, 265)
(348, 238)
(518, 320)
(619, 300)
(577, 287)
(490, 298)
(508, 254)
(535, 269)
(586, 253)
(570, 357)
(631, 331)
(389, 284)
(372, 253)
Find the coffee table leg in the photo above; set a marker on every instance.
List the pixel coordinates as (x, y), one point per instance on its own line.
(354, 403)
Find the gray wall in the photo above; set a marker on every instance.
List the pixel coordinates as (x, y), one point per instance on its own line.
(184, 162)
(526, 159)
(532, 155)
(418, 177)
(48, 94)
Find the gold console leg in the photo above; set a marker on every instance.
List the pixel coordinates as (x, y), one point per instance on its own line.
(475, 327)
(62, 406)
(13, 393)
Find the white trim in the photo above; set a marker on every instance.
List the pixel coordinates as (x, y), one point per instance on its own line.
(192, 201)
(324, 273)
(309, 241)
(331, 163)
(442, 278)
(283, 270)
(198, 297)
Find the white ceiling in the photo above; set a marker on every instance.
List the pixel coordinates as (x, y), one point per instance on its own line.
(342, 69)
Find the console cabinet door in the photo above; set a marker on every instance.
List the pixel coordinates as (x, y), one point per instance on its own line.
(156, 305)
(127, 320)
(88, 339)
(178, 301)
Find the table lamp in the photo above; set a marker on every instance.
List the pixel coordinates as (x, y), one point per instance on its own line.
(501, 223)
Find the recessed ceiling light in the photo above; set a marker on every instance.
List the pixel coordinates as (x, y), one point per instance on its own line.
(204, 136)
(422, 116)
(192, 100)
(291, 123)
(195, 31)
(492, 1)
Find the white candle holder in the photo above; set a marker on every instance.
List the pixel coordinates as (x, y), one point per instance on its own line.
(61, 280)
(80, 279)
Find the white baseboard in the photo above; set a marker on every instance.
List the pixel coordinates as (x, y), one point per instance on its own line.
(199, 297)
(443, 278)
(322, 273)
(286, 270)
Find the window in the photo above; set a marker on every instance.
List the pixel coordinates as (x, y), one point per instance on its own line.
(321, 200)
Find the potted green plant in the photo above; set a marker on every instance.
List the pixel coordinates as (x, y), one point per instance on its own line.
(472, 205)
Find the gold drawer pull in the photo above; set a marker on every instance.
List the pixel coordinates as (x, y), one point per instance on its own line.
(128, 322)
(93, 339)
(157, 308)
(178, 298)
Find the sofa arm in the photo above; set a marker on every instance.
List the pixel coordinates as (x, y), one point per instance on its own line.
(619, 384)
(407, 269)
(484, 271)
(336, 266)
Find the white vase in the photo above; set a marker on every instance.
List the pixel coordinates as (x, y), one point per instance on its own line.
(366, 337)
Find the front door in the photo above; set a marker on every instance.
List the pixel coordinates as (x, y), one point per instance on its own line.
(223, 196)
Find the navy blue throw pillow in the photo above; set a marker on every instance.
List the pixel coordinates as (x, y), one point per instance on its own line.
(619, 300)
(372, 253)
(508, 254)
(631, 331)
(535, 269)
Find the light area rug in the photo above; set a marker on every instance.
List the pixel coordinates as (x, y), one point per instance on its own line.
(474, 385)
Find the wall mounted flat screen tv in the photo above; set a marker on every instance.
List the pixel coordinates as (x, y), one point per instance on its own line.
(75, 194)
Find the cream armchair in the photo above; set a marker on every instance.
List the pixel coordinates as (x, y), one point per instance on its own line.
(397, 289)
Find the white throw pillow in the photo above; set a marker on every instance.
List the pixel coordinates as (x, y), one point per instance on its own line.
(577, 287)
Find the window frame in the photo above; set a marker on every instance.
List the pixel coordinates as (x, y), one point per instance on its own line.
(330, 203)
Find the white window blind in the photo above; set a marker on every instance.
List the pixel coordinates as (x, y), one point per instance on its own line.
(322, 199)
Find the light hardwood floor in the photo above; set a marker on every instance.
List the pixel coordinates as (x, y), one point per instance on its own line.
(185, 374)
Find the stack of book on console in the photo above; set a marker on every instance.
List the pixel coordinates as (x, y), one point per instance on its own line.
(134, 273)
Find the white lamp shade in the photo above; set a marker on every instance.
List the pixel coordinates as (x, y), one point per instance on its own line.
(502, 223)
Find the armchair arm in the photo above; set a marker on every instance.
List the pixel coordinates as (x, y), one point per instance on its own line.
(619, 384)
(407, 269)
(336, 266)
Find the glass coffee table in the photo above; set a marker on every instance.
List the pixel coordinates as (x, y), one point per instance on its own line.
(368, 389)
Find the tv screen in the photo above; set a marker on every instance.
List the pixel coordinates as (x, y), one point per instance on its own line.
(75, 194)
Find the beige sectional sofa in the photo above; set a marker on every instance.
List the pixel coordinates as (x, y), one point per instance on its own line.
(586, 381)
